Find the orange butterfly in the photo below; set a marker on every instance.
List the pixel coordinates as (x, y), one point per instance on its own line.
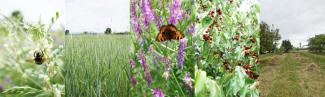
(169, 32)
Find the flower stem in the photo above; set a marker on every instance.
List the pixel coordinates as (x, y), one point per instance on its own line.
(178, 84)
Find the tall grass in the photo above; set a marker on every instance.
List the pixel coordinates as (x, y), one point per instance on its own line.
(96, 65)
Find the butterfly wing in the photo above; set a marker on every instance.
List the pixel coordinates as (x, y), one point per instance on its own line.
(177, 35)
(160, 37)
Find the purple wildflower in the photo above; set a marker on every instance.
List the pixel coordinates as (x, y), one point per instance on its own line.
(147, 12)
(191, 29)
(158, 93)
(145, 66)
(1, 87)
(134, 17)
(133, 80)
(187, 80)
(132, 63)
(175, 12)
(181, 49)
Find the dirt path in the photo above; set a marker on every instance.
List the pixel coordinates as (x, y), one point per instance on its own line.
(291, 75)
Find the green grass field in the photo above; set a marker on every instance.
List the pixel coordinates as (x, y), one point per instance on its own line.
(299, 74)
(97, 65)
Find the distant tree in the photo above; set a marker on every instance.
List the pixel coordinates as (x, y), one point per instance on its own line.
(67, 32)
(85, 32)
(286, 46)
(108, 31)
(317, 43)
(269, 38)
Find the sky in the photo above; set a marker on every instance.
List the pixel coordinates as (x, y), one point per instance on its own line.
(34, 10)
(97, 15)
(76, 15)
(297, 20)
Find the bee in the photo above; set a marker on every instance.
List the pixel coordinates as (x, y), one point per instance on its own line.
(39, 57)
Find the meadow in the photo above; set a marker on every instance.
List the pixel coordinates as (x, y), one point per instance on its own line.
(97, 65)
(296, 74)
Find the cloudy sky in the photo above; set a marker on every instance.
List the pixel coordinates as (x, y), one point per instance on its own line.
(33, 10)
(77, 15)
(297, 20)
(97, 15)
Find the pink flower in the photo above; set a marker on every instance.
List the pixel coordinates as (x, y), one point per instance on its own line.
(158, 93)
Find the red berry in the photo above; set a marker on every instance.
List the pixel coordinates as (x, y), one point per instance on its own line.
(219, 12)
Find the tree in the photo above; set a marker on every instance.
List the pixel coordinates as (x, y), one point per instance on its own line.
(317, 43)
(67, 32)
(286, 46)
(269, 38)
(108, 31)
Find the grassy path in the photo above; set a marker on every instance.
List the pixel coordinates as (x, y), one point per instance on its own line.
(293, 75)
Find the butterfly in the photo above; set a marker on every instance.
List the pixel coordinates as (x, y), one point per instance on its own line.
(169, 32)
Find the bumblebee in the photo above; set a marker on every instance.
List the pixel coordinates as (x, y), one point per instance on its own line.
(39, 57)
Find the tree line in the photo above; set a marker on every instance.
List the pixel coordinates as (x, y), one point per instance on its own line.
(270, 37)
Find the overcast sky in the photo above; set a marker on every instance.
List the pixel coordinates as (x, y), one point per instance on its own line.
(297, 20)
(33, 10)
(77, 15)
(97, 15)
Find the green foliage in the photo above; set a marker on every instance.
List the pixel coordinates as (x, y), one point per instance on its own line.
(19, 40)
(286, 46)
(317, 43)
(97, 65)
(269, 38)
(227, 65)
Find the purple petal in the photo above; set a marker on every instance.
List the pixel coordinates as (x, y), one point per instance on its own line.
(181, 49)
(158, 93)
(145, 66)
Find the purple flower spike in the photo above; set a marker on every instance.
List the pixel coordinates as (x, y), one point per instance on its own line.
(175, 12)
(158, 93)
(145, 66)
(132, 63)
(181, 49)
(147, 12)
(134, 17)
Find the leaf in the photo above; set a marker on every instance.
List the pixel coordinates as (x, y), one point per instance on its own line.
(200, 78)
(22, 91)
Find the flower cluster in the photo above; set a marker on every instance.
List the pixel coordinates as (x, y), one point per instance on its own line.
(160, 64)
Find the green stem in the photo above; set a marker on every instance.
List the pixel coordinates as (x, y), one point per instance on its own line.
(178, 84)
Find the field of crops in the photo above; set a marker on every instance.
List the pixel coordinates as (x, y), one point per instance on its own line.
(299, 74)
(97, 65)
